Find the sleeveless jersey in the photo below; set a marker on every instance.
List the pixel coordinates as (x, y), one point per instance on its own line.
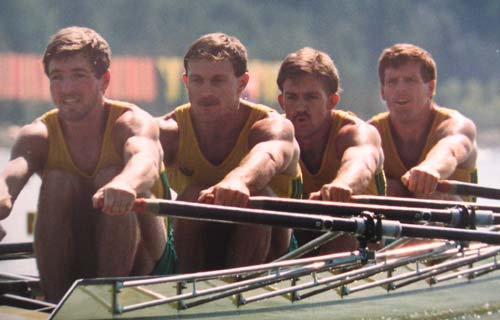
(330, 164)
(191, 167)
(60, 158)
(393, 165)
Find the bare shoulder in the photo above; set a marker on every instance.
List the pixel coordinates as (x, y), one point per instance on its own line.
(32, 142)
(456, 123)
(135, 121)
(169, 136)
(354, 127)
(273, 126)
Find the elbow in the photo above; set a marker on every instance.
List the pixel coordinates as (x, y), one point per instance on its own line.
(6, 205)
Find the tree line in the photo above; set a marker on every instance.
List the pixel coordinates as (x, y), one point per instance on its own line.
(462, 35)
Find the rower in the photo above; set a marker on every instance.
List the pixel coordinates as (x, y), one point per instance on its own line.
(423, 143)
(94, 156)
(220, 149)
(340, 155)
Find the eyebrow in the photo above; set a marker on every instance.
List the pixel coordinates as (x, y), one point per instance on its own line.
(76, 69)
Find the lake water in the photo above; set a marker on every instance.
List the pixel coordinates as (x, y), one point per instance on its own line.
(16, 223)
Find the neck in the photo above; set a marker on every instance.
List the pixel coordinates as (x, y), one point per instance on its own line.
(416, 128)
(313, 146)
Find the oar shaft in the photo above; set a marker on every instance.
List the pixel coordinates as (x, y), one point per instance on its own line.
(18, 247)
(417, 231)
(467, 189)
(359, 225)
(342, 209)
(427, 203)
(216, 213)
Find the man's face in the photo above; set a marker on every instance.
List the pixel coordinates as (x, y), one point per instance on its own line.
(212, 86)
(306, 103)
(74, 87)
(406, 94)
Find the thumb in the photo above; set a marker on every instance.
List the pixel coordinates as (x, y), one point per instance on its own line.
(405, 179)
(98, 199)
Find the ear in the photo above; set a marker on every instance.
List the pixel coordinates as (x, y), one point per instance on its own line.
(106, 78)
(280, 101)
(431, 85)
(243, 81)
(382, 95)
(333, 100)
(185, 79)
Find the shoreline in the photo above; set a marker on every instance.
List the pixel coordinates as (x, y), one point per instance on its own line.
(485, 139)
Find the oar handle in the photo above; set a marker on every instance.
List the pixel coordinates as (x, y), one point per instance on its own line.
(467, 189)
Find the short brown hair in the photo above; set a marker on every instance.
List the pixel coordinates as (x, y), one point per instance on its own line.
(402, 53)
(219, 46)
(308, 61)
(72, 40)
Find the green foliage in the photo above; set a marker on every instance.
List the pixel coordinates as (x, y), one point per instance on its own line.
(462, 35)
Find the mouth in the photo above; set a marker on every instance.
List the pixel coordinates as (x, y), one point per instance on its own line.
(70, 100)
(301, 117)
(209, 102)
(402, 102)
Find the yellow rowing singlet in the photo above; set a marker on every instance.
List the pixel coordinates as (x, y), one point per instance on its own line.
(393, 165)
(191, 166)
(60, 158)
(330, 164)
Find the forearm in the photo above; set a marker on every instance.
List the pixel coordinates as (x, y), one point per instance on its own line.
(12, 180)
(358, 167)
(140, 173)
(261, 164)
(448, 154)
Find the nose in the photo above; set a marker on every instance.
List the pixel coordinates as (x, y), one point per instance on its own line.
(301, 104)
(66, 84)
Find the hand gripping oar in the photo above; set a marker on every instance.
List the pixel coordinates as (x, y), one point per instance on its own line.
(364, 226)
(467, 189)
(457, 216)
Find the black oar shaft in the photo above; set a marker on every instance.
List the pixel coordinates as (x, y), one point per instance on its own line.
(18, 247)
(226, 214)
(427, 203)
(467, 189)
(358, 225)
(343, 209)
(417, 231)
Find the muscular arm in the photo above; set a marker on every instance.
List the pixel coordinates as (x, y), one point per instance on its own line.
(273, 150)
(456, 148)
(358, 145)
(28, 156)
(136, 134)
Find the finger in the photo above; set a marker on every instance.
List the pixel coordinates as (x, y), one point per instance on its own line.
(314, 196)
(98, 199)
(325, 193)
(206, 197)
(412, 181)
(430, 183)
(405, 179)
(421, 183)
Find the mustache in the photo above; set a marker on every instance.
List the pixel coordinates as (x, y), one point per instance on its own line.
(301, 114)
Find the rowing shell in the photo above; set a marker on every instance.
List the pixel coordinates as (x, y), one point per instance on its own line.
(436, 280)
